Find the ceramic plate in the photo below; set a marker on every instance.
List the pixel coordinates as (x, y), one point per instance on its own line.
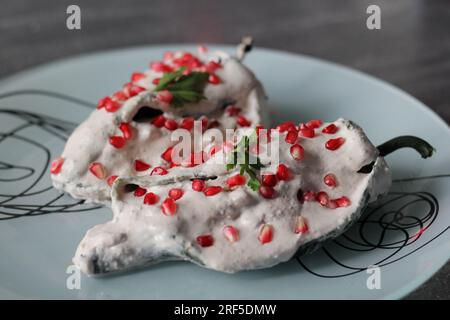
(405, 235)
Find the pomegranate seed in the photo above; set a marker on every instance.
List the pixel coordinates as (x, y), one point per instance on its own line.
(160, 67)
(139, 192)
(171, 124)
(232, 111)
(198, 185)
(159, 121)
(112, 106)
(98, 170)
(283, 172)
(56, 165)
(167, 155)
(314, 124)
(159, 171)
(111, 180)
(202, 49)
(213, 124)
(213, 79)
(236, 180)
(323, 198)
(168, 55)
(330, 129)
(156, 81)
(231, 233)
(212, 66)
(187, 123)
(117, 142)
(300, 196)
(132, 90)
(309, 196)
(307, 132)
(330, 180)
(301, 225)
(297, 152)
(343, 202)
(119, 95)
(204, 120)
(265, 233)
(102, 102)
(169, 207)
(332, 204)
(164, 96)
(243, 121)
(291, 136)
(205, 240)
(151, 198)
(267, 192)
(127, 130)
(334, 144)
(141, 165)
(285, 126)
(175, 193)
(136, 76)
(269, 179)
(212, 190)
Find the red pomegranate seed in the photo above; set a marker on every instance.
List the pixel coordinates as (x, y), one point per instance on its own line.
(330, 129)
(291, 136)
(307, 132)
(332, 204)
(102, 102)
(160, 67)
(232, 111)
(151, 198)
(283, 172)
(119, 95)
(212, 190)
(98, 170)
(117, 142)
(205, 240)
(236, 180)
(168, 55)
(343, 202)
(334, 144)
(164, 96)
(139, 192)
(300, 196)
(214, 124)
(202, 49)
(231, 233)
(314, 124)
(140, 165)
(243, 121)
(267, 192)
(198, 185)
(175, 193)
(171, 124)
(265, 234)
(169, 207)
(159, 171)
(167, 155)
(212, 66)
(187, 123)
(323, 198)
(112, 106)
(297, 152)
(136, 76)
(285, 126)
(213, 79)
(301, 225)
(309, 196)
(127, 130)
(111, 180)
(56, 165)
(204, 120)
(269, 179)
(156, 81)
(159, 121)
(330, 180)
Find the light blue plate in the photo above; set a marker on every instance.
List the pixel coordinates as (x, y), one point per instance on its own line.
(40, 229)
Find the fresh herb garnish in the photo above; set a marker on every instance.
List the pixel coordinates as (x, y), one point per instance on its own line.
(248, 163)
(184, 88)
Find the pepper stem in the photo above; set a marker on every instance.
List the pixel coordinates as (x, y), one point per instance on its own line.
(418, 144)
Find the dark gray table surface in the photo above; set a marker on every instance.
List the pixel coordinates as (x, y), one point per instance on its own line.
(411, 50)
